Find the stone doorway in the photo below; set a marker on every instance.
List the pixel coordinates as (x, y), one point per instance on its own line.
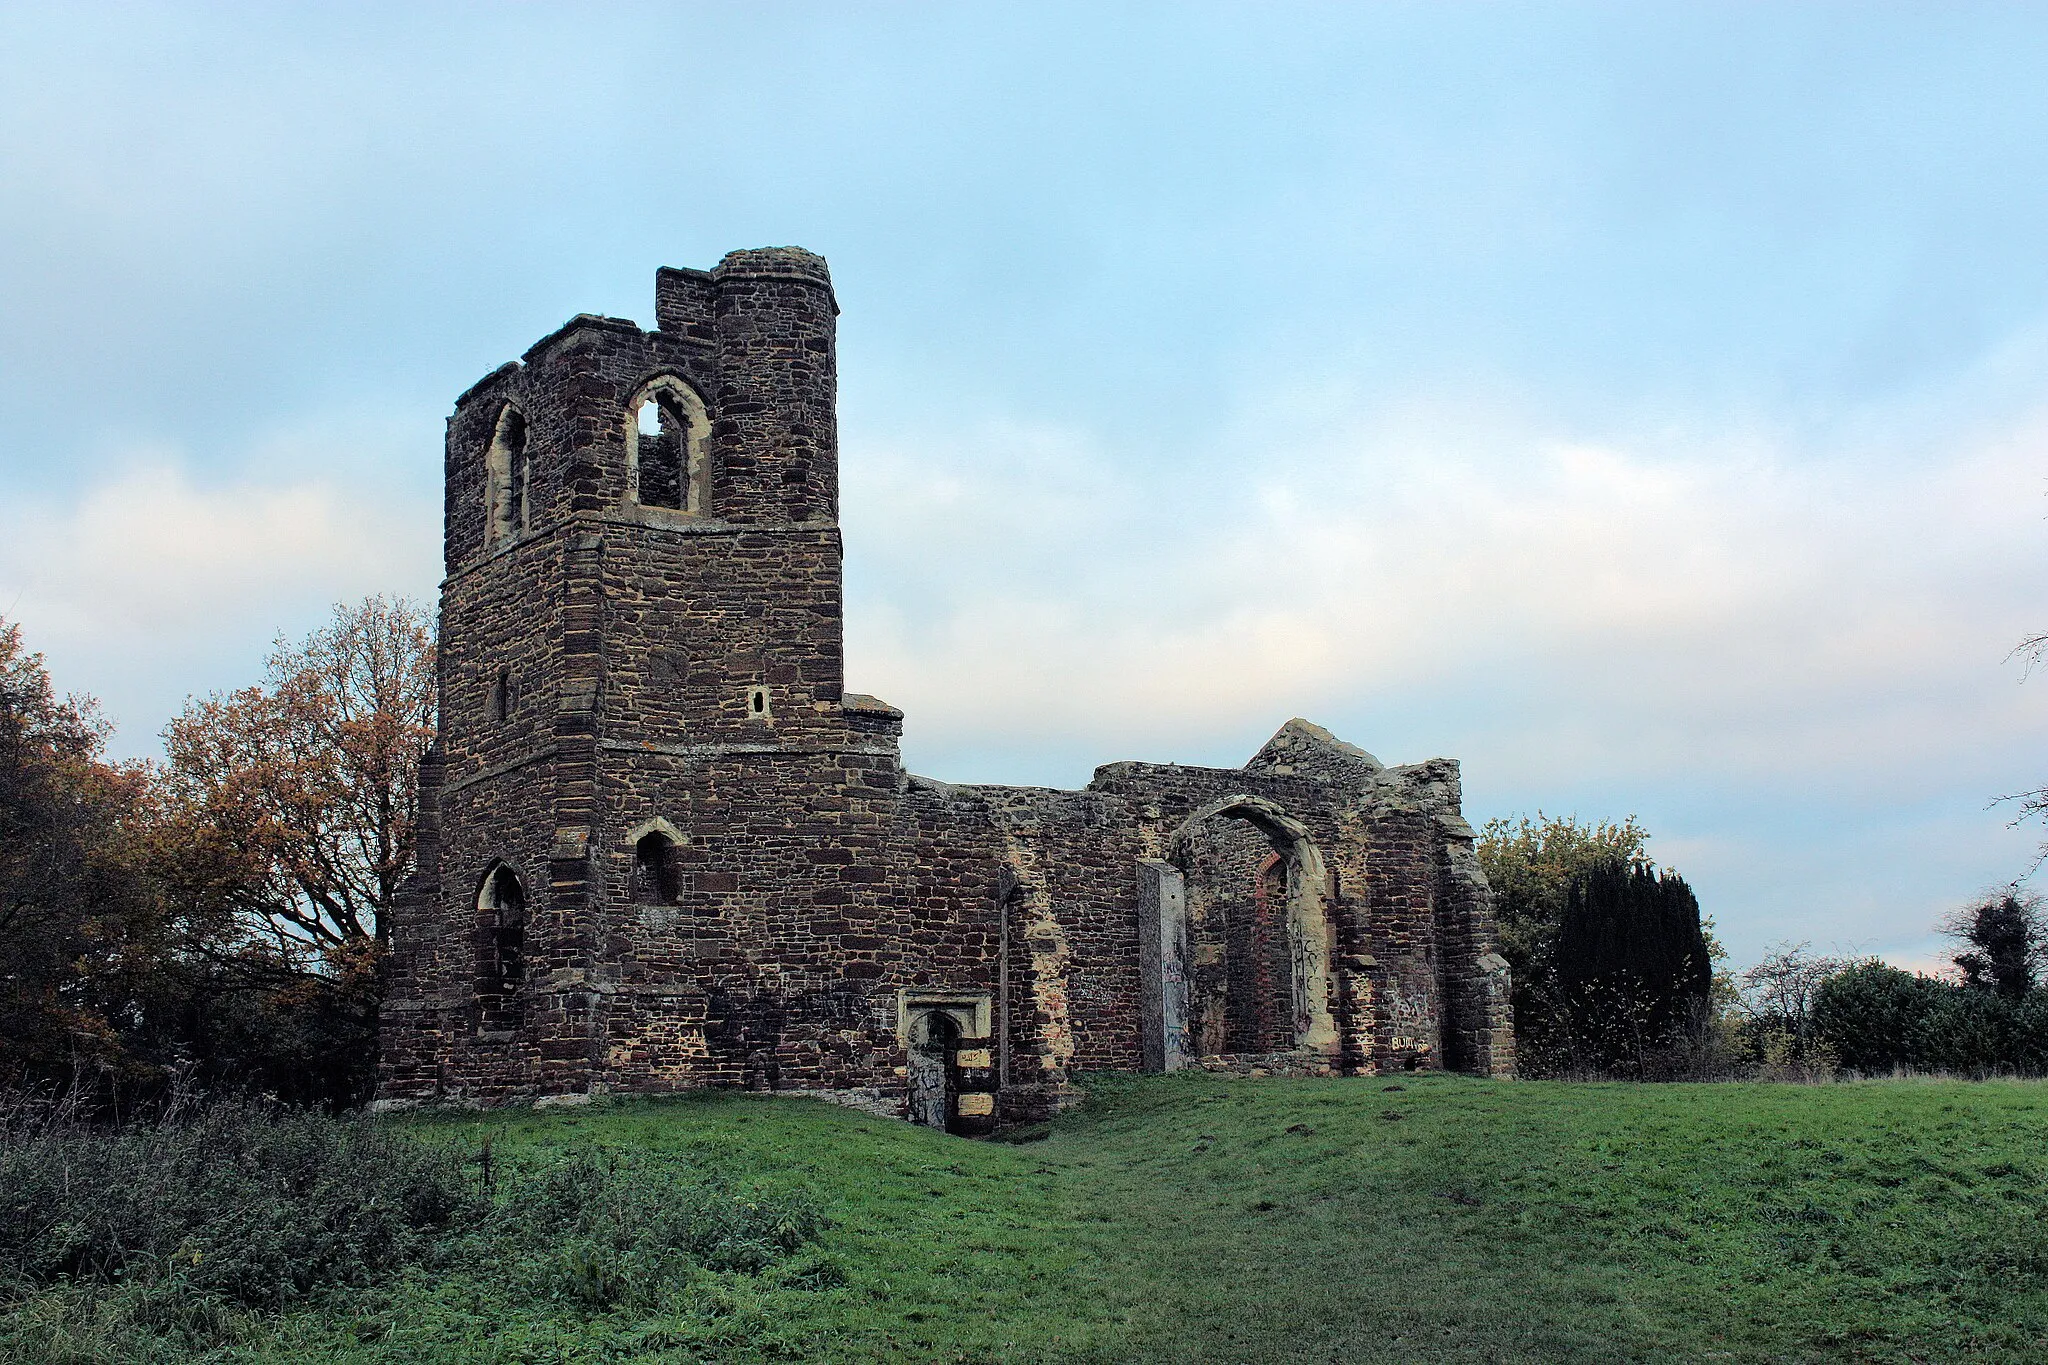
(934, 1073)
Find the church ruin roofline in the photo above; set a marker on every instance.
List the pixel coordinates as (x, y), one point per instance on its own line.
(582, 322)
(1352, 765)
(489, 381)
(1298, 734)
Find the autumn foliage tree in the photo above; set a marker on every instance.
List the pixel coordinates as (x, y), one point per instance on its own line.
(80, 931)
(219, 916)
(286, 826)
(291, 805)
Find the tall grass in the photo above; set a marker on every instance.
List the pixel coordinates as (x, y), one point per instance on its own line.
(226, 1201)
(176, 1233)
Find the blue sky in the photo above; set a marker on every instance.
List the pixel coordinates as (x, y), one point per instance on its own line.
(1646, 405)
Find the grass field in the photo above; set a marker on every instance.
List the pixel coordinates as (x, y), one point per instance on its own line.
(1197, 1218)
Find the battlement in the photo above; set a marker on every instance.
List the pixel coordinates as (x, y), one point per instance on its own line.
(724, 412)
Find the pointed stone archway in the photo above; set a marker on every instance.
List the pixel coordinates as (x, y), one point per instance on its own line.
(1239, 969)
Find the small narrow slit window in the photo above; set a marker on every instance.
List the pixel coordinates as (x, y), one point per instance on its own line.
(501, 950)
(515, 446)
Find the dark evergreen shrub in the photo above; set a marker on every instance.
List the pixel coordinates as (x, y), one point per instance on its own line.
(1632, 963)
(2027, 1036)
(1875, 1016)
(1877, 1019)
(1963, 1031)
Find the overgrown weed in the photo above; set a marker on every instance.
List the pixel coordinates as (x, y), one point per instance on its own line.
(188, 1232)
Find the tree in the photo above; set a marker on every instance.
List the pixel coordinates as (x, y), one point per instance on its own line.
(1533, 865)
(290, 806)
(2033, 804)
(2005, 941)
(220, 916)
(79, 930)
(285, 826)
(1778, 993)
(1632, 962)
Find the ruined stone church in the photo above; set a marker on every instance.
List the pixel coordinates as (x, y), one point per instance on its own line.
(661, 846)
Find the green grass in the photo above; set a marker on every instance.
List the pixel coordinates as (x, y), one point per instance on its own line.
(1198, 1218)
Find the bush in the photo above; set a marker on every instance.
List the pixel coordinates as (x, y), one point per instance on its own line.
(1633, 965)
(621, 1228)
(1961, 1030)
(253, 1207)
(152, 1238)
(1874, 1016)
(2027, 1039)
(1878, 1019)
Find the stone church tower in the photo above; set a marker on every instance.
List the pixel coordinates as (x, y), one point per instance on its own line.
(661, 847)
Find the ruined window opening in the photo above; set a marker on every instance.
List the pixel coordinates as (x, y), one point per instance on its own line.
(662, 431)
(666, 444)
(1257, 932)
(656, 880)
(506, 477)
(501, 949)
(1259, 1015)
(515, 445)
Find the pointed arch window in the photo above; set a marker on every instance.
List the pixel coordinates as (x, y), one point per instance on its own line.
(501, 947)
(656, 879)
(507, 478)
(667, 431)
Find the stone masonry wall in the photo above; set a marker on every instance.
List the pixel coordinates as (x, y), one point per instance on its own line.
(613, 672)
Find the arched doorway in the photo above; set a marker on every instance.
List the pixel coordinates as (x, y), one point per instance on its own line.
(1244, 966)
(933, 1071)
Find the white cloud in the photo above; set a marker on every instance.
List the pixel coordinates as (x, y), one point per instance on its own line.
(1791, 647)
(1764, 609)
(149, 587)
